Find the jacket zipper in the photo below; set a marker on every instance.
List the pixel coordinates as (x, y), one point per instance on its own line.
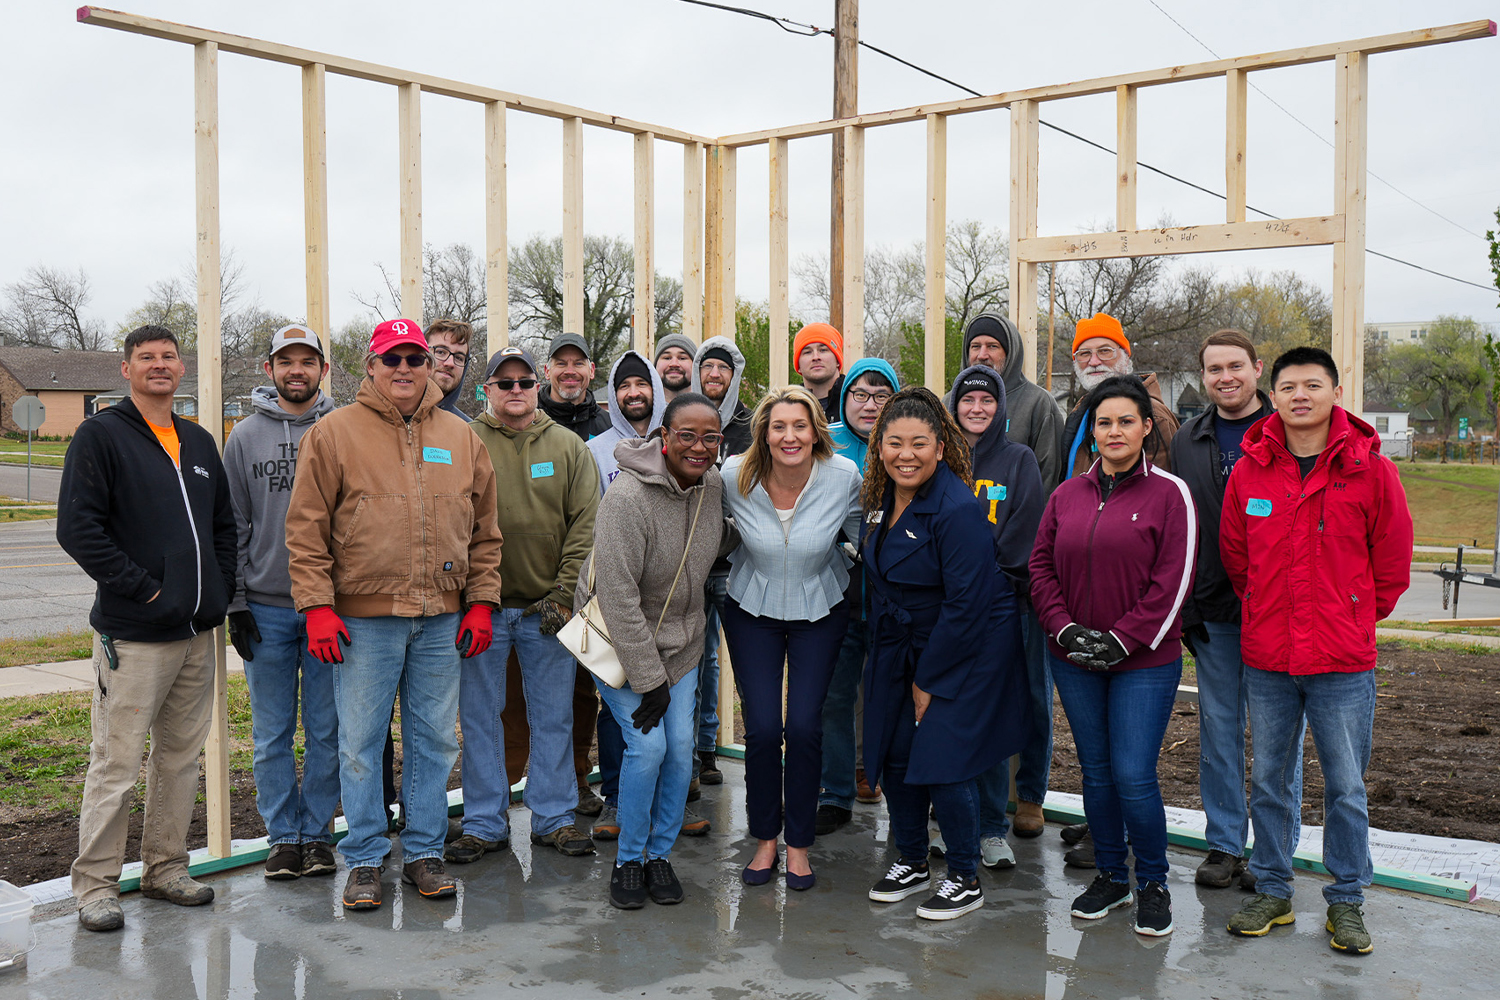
(197, 546)
(421, 510)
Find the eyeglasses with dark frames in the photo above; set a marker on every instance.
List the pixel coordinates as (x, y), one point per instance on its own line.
(689, 438)
(443, 354)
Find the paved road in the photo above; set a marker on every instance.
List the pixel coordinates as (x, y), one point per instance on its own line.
(44, 482)
(1424, 600)
(42, 590)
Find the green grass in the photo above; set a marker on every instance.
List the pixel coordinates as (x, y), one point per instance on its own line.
(1439, 646)
(10, 515)
(77, 645)
(1451, 504)
(1439, 627)
(43, 453)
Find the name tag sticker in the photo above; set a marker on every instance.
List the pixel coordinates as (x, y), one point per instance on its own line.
(541, 470)
(442, 456)
(996, 493)
(1258, 508)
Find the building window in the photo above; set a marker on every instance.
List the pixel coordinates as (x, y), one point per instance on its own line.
(1383, 425)
(88, 405)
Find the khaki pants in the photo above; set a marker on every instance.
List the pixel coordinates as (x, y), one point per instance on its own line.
(163, 690)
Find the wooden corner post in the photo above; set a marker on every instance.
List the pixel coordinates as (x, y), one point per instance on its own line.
(643, 336)
(409, 125)
(853, 292)
(935, 315)
(496, 240)
(1024, 125)
(780, 309)
(572, 234)
(315, 207)
(1351, 76)
(692, 241)
(719, 237)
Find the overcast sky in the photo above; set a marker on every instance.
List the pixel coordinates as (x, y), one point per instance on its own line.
(99, 167)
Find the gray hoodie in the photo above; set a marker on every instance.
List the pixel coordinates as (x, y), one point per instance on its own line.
(602, 445)
(734, 417)
(261, 460)
(1035, 419)
(640, 533)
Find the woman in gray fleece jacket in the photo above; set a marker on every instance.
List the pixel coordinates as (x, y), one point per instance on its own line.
(661, 523)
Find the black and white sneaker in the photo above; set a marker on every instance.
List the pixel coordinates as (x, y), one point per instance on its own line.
(1153, 912)
(901, 881)
(954, 898)
(1098, 899)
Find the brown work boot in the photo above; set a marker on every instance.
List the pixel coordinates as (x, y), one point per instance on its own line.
(284, 862)
(862, 790)
(430, 877)
(183, 890)
(1029, 821)
(362, 891)
(567, 839)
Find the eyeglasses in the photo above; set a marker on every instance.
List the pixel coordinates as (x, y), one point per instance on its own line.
(688, 438)
(862, 397)
(1104, 354)
(443, 354)
(717, 367)
(393, 360)
(507, 384)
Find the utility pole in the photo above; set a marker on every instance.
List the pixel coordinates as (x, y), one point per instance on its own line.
(845, 105)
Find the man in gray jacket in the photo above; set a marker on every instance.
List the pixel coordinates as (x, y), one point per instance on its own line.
(270, 636)
(1034, 418)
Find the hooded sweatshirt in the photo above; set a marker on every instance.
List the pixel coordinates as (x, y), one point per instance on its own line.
(734, 417)
(583, 418)
(602, 446)
(260, 458)
(450, 401)
(640, 535)
(846, 440)
(1035, 418)
(1008, 485)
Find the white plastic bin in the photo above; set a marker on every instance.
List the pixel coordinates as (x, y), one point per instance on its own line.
(15, 926)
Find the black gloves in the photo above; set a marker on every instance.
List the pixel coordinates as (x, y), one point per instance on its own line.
(653, 706)
(553, 616)
(1072, 635)
(242, 632)
(1194, 634)
(1097, 650)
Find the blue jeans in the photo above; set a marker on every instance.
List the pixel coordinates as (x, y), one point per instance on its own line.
(1036, 757)
(716, 590)
(279, 672)
(655, 772)
(838, 717)
(1221, 738)
(956, 804)
(416, 657)
(547, 674)
(611, 753)
(1341, 710)
(1118, 721)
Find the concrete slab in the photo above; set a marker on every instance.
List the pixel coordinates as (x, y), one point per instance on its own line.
(534, 921)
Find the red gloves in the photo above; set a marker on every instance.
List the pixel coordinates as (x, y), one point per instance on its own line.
(475, 631)
(324, 630)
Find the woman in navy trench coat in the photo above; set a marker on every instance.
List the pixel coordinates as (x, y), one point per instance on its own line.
(945, 685)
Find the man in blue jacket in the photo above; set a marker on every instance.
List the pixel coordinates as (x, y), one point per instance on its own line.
(144, 509)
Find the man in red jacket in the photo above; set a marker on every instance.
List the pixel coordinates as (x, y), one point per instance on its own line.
(1316, 539)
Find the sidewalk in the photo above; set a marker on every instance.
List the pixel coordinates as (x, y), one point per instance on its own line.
(70, 675)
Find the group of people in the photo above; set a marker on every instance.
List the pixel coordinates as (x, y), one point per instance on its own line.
(902, 581)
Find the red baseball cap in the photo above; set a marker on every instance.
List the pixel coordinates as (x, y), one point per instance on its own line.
(394, 333)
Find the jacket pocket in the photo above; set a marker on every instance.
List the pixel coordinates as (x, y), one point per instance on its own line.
(376, 542)
(530, 565)
(454, 517)
(179, 589)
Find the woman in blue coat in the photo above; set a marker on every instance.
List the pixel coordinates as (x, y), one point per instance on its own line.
(945, 687)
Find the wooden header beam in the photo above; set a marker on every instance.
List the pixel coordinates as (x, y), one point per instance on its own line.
(1183, 239)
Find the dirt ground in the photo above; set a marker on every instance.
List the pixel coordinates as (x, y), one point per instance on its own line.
(1434, 768)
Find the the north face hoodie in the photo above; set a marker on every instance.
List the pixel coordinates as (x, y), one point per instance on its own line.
(602, 446)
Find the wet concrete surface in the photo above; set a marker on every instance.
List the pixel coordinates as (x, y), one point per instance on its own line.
(531, 922)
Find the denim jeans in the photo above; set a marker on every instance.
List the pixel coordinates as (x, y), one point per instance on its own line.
(838, 717)
(416, 657)
(716, 590)
(611, 753)
(1340, 708)
(655, 772)
(1221, 738)
(547, 672)
(956, 804)
(280, 671)
(1035, 767)
(1118, 721)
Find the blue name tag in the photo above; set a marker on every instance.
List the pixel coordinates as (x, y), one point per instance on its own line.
(1007, 430)
(541, 470)
(440, 455)
(1258, 508)
(997, 493)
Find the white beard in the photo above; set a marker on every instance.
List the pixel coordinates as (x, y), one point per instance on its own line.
(1089, 380)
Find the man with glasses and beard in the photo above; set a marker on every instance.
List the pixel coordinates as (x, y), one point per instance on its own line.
(449, 339)
(674, 363)
(1100, 350)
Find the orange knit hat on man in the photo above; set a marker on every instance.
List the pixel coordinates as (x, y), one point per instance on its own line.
(1100, 325)
(817, 333)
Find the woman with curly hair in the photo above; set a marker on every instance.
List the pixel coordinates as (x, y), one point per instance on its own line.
(945, 687)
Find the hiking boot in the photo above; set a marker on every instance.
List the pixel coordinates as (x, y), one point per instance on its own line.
(183, 890)
(901, 881)
(362, 890)
(589, 804)
(693, 825)
(607, 826)
(1029, 821)
(430, 878)
(317, 858)
(1103, 895)
(1247, 880)
(1259, 915)
(994, 852)
(468, 849)
(284, 862)
(1153, 911)
(567, 840)
(694, 791)
(1082, 854)
(708, 768)
(829, 818)
(627, 886)
(862, 790)
(661, 882)
(954, 898)
(101, 915)
(1219, 869)
(1073, 833)
(1347, 925)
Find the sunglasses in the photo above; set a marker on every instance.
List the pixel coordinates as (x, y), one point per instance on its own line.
(394, 360)
(507, 384)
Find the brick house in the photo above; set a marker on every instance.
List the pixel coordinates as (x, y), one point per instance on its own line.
(67, 382)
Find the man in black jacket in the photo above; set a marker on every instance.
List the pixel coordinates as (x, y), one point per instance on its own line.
(567, 398)
(1203, 454)
(144, 508)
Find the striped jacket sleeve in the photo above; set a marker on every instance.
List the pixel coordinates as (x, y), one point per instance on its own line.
(1159, 611)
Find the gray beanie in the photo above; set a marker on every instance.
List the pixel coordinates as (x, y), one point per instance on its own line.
(675, 340)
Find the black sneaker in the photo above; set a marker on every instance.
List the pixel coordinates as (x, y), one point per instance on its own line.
(901, 881)
(708, 768)
(284, 862)
(627, 886)
(829, 818)
(661, 882)
(1098, 899)
(1153, 912)
(954, 898)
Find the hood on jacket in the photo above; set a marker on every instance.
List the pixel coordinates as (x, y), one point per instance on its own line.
(658, 399)
(449, 402)
(992, 324)
(732, 397)
(877, 365)
(643, 459)
(1352, 440)
(263, 398)
(378, 401)
(541, 423)
(993, 439)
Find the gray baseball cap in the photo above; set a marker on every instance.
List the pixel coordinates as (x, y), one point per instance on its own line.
(568, 340)
(505, 354)
(295, 333)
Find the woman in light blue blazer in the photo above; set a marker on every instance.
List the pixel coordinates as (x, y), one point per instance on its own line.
(794, 502)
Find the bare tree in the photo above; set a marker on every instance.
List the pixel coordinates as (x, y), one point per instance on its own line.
(453, 287)
(173, 303)
(46, 308)
(977, 266)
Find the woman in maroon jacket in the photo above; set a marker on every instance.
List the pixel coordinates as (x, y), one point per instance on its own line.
(1112, 566)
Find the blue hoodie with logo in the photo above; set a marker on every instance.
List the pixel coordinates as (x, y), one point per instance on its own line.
(846, 440)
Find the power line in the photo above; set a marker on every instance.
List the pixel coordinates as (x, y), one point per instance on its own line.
(784, 23)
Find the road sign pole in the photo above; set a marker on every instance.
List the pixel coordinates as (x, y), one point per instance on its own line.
(28, 466)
